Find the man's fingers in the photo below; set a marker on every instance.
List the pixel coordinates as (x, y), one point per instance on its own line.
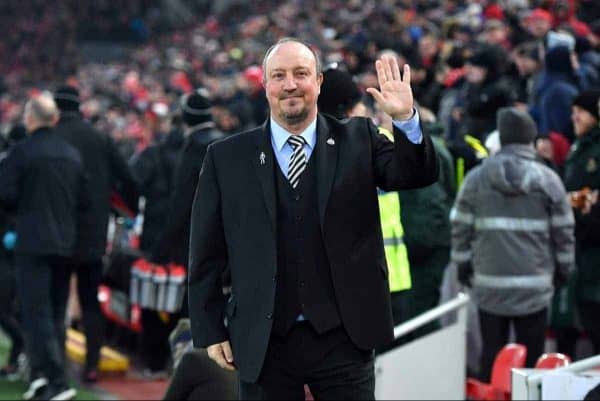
(227, 352)
(380, 73)
(376, 94)
(221, 354)
(214, 351)
(395, 69)
(406, 74)
(387, 68)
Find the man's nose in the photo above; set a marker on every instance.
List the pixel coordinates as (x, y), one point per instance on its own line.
(289, 83)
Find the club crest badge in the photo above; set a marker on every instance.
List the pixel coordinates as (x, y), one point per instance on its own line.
(591, 166)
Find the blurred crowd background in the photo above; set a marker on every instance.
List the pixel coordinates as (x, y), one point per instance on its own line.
(131, 60)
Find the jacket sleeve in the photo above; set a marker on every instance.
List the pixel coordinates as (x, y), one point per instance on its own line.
(142, 169)
(121, 179)
(462, 220)
(562, 232)
(180, 203)
(208, 258)
(11, 169)
(402, 164)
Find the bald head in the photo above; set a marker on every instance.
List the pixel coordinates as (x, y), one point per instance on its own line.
(282, 41)
(40, 111)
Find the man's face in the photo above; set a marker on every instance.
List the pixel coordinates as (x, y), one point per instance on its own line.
(427, 47)
(496, 35)
(292, 84)
(583, 121)
(538, 27)
(475, 74)
(525, 65)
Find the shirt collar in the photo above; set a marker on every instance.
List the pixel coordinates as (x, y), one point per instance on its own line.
(280, 135)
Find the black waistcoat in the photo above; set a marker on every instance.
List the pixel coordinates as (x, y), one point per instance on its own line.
(304, 284)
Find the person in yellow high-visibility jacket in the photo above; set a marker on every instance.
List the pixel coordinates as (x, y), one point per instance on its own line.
(341, 98)
(396, 255)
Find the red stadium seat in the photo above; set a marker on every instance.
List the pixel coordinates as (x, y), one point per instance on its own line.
(552, 360)
(509, 357)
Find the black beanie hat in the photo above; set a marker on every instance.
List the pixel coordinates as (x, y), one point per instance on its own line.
(487, 57)
(338, 94)
(195, 108)
(67, 98)
(515, 126)
(588, 100)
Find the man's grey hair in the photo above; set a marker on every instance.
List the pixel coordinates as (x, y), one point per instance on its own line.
(43, 109)
(288, 40)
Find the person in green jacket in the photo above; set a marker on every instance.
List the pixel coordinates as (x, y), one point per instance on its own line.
(582, 170)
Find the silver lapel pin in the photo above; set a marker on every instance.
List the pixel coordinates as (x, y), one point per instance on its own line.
(330, 142)
(262, 158)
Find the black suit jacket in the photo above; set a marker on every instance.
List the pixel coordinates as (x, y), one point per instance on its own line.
(234, 226)
(43, 181)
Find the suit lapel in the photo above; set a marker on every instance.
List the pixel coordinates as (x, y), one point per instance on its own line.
(327, 156)
(264, 163)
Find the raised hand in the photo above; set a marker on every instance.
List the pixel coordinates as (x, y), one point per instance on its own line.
(395, 95)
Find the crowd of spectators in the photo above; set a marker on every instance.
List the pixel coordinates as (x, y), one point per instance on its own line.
(129, 97)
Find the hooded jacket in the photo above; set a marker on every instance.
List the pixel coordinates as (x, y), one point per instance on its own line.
(512, 222)
(554, 94)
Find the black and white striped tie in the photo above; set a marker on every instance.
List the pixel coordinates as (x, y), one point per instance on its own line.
(297, 161)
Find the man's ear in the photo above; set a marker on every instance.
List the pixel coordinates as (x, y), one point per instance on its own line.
(320, 80)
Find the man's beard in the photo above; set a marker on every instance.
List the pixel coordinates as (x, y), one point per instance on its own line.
(295, 117)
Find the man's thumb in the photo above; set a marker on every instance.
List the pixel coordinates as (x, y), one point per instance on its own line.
(227, 351)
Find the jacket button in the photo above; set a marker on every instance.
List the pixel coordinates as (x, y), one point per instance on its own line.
(270, 316)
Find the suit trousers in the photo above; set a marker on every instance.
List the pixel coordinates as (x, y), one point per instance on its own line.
(89, 276)
(332, 366)
(530, 331)
(9, 321)
(43, 286)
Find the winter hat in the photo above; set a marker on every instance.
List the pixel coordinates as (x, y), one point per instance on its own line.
(588, 100)
(195, 108)
(515, 126)
(338, 94)
(539, 14)
(488, 57)
(67, 98)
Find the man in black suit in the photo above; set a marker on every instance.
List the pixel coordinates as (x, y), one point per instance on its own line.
(290, 209)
